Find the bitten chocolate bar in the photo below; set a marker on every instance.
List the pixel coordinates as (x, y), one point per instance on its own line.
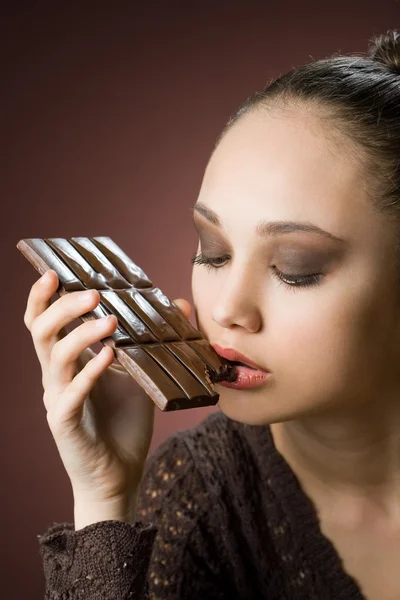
(154, 341)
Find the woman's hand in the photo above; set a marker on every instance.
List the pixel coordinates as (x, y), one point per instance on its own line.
(100, 418)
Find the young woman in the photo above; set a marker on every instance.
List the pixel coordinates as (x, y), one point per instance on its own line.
(291, 490)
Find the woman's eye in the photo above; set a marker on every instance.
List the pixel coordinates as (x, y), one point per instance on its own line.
(290, 281)
(211, 262)
(297, 281)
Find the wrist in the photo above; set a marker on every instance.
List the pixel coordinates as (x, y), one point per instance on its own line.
(89, 510)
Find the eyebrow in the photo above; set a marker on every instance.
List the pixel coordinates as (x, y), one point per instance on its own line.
(272, 228)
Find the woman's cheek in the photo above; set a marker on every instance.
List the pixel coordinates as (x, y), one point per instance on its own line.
(307, 335)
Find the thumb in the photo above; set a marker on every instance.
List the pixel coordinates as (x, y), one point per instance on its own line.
(184, 306)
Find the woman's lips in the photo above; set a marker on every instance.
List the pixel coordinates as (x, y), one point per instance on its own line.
(235, 356)
(247, 377)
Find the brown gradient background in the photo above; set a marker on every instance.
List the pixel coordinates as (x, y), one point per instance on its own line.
(108, 116)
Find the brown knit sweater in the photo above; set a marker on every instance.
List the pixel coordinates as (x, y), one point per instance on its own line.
(222, 515)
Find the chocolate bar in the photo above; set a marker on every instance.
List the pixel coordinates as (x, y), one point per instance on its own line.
(154, 341)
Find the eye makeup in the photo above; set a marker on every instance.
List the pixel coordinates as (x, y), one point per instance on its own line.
(313, 260)
(297, 260)
(294, 256)
(291, 281)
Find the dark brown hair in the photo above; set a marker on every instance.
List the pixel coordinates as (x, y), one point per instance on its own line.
(356, 96)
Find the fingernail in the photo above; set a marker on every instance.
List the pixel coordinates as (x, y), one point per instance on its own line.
(45, 277)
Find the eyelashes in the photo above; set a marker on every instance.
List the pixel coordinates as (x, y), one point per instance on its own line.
(209, 261)
(287, 279)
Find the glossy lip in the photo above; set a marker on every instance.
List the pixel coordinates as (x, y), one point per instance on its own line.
(247, 379)
(235, 355)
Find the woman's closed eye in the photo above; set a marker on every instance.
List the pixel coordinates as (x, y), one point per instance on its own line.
(289, 280)
(211, 262)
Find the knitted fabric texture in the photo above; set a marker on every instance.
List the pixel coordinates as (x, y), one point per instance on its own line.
(221, 516)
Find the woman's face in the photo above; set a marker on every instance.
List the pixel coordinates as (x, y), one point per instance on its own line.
(330, 346)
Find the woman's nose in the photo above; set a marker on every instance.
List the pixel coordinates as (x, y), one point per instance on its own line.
(237, 302)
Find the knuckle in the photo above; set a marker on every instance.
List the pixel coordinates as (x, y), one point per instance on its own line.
(61, 352)
(46, 398)
(37, 330)
(27, 320)
(58, 352)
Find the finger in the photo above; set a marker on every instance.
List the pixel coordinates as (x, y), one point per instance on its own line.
(183, 306)
(40, 296)
(67, 412)
(49, 326)
(84, 356)
(62, 367)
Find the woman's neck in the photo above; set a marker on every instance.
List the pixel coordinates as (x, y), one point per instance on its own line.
(349, 465)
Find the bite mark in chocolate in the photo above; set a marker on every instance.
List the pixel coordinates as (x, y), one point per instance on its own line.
(227, 373)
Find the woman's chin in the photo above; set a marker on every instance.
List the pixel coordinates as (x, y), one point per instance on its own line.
(244, 407)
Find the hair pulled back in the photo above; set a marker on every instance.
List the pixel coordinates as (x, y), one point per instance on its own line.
(357, 96)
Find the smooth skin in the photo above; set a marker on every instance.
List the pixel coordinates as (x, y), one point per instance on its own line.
(332, 348)
(333, 400)
(100, 418)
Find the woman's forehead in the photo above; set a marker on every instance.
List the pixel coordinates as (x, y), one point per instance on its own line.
(272, 150)
(280, 168)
